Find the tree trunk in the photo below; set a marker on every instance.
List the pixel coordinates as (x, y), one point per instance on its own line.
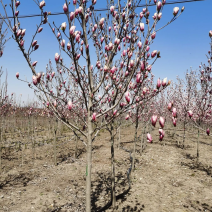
(198, 146)
(135, 140)
(88, 165)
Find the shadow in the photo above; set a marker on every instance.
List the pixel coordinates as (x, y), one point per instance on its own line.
(101, 196)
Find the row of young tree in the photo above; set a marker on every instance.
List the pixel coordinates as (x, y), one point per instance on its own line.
(115, 84)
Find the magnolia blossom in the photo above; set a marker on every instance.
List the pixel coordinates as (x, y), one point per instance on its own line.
(161, 134)
(112, 8)
(169, 106)
(63, 26)
(127, 96)
(40, 29)
(142, 27)
(68, 46)
(127, 117)
(57, 57)
(174, 121)
(159, 5)
(153, 54)
(161, 122)
(65, 8)
(164, 82)
(70, 105)
(94, 117)
(190, 113)
(154, 120)
(34, 80)
(72, 29)
(175, 11)
(149, 138)
(17, 3)
(174, 112)
(210, 33)
(17, 75)
(63, 43)
(208, 131)
(42, 4)
(34, 63)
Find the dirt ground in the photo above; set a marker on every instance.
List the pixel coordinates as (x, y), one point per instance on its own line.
(166, 177)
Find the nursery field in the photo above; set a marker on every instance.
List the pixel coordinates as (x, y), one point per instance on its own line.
(166, 177)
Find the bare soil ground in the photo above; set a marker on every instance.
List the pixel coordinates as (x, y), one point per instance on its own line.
(166, 178)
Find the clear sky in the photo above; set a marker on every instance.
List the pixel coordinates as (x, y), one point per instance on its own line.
(182, 44)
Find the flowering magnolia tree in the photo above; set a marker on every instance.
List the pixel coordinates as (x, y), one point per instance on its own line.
(110, 60)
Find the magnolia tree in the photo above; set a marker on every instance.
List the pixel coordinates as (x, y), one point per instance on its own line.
(182, 97)
(108, 52)
(203, 97)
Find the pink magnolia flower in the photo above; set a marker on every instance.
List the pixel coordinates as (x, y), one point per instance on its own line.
(62, 43)
(40, 29)
(127, 117)
(158, 83)
(164, 82)
(127, 96)
(159, 5)
(34, 80)
(139, 45)
(153, 35)
(74, 2)
(169, 106)
(190, 113)
(210, 33)
(70, 105)
(63, 26)
(154, 120)
(72, 30)
(94, 117)
(42, 4)
(34, 43)
(72, 15)
(17, 75)
(174, 121)
(149, 138)
(112, 8)
(68, 46)
(138, 78)
(57, 57)
(153, 54)
(175, 11)
(16, 13)
(23, 31)
(161, 122)
(142, 27)
(17, 3)
(34, 63)
(208, 131)
(65, 8)
(174, 112)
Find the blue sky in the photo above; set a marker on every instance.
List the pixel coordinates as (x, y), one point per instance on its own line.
(182, 44)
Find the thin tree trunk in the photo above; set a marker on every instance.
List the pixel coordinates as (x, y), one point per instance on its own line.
(0, 147)
(184, 134)
(135, 140)
(198, 146)
(88, 165)
(55, 146)
(113, 191)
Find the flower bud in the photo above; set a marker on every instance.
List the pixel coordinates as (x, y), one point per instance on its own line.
(154, 120)
(17, 75)
(142, 27)
(42, 4)
(210, 33)
(208, 131)
(94, 117)
(57, 57)
(190, 113)
(161, 122)
(34, 80)
(65, 8)
(63, 26)
(175, 11)
(40, 29)
(149, 138)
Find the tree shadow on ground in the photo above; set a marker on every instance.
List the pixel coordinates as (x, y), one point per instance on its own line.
(101, 195)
